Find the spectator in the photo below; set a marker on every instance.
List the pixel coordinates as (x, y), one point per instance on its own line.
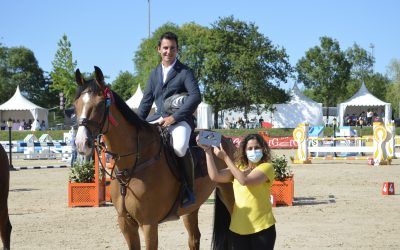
(260, 121)
(3, 125)
(43, 126)
(370, 114)
(252, 223)
(73, 146)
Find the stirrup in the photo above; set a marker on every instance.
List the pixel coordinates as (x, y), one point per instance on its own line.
(188, 198)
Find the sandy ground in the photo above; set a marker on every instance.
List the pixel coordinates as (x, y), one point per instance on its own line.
(338, 205)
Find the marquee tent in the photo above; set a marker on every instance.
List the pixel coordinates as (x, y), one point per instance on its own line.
(299, 109)
(20, 108)
(134, 101)
(204, 116)
(363, 100)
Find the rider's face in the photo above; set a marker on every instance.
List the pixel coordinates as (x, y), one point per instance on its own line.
(168, 51)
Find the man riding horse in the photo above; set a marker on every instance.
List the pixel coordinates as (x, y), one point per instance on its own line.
(168, 79)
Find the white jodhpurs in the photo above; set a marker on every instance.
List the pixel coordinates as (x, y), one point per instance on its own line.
(180, 133)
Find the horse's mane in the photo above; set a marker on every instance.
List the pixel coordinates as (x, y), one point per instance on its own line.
(127, 113)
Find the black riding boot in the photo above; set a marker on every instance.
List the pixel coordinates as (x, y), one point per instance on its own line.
(187, 165)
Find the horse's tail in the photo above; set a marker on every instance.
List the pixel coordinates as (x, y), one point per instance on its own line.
(222, 219)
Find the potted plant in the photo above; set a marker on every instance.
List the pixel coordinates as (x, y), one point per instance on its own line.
(282, 188)
(86, 187)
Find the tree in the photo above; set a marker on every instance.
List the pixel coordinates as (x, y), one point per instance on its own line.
(394, 70)
(326, 70)
(19, 67)
(125, 84)
(242, 67)
(361, 62)
(63, 73)
(193, 49)
(393, 92)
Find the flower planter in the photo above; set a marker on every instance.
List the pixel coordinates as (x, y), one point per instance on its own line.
(86, 194)
(283, 191)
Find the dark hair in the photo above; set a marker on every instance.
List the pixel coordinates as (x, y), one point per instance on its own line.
(241, 157)
(169, 36)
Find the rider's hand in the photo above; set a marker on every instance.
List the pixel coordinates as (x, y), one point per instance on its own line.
(169, 120)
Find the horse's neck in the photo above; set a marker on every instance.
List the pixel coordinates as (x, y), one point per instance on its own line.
(124, 138)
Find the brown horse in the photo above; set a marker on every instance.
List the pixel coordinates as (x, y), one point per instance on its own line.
(5, 224)
(145, 190)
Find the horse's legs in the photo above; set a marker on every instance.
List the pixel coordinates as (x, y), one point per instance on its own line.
(192, 227)
(151, 236)
(130, 230)
(5, 228)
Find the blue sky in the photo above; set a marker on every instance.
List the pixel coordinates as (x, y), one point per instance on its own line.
(107, 33)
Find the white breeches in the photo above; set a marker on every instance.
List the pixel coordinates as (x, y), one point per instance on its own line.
(180, 133)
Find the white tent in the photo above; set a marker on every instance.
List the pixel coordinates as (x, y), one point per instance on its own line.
(134, 101)
(363, 100)
(299, 109)
(204, 116)
(20, 108)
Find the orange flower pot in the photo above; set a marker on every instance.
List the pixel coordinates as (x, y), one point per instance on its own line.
(86, 194)
(283, 191)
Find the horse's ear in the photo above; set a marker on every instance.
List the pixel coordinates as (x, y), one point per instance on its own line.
(99, 76)
(78, 77)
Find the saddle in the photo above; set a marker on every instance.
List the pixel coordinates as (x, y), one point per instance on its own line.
(200, 167)
(199, 157)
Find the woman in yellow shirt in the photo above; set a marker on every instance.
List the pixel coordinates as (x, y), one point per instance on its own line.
(252, 224)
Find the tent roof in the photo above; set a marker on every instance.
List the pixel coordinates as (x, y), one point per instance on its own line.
(19, 102)
(135, 100)
(296, 96)
(364, 98)
(298, 110)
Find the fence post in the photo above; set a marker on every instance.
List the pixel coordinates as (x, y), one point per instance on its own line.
(300, 135)
(380, 136)
(390, 142)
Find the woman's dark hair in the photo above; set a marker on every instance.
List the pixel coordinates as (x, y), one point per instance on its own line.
(169, 36)
(241, 157)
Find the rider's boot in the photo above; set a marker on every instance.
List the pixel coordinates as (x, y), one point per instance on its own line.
(187, 165)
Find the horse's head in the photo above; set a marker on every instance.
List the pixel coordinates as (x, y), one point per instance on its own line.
(91, 107)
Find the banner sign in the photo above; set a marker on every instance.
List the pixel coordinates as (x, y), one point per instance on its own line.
(273, 142)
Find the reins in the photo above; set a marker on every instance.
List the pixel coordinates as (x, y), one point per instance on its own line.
(122, 176)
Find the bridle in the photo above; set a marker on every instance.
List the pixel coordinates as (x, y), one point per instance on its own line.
(123, 176)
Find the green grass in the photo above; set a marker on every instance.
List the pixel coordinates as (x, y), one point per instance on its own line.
(20, 135)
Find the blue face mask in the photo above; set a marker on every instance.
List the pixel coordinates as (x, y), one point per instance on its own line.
(254, 155)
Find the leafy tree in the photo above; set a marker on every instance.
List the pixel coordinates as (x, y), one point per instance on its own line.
(326, 70)
(19, 67)
(193, 49)
(393, 92)
(361, 62)
(394, 70)
(125, 84)
(242, 67)
(63, 73)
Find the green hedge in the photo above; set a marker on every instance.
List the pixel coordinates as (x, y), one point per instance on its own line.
(20, 135)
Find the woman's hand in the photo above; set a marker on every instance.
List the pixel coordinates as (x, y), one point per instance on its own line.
(206, 148)
(220, 152)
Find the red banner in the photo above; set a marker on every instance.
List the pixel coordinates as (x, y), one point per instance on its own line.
(273, 142)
